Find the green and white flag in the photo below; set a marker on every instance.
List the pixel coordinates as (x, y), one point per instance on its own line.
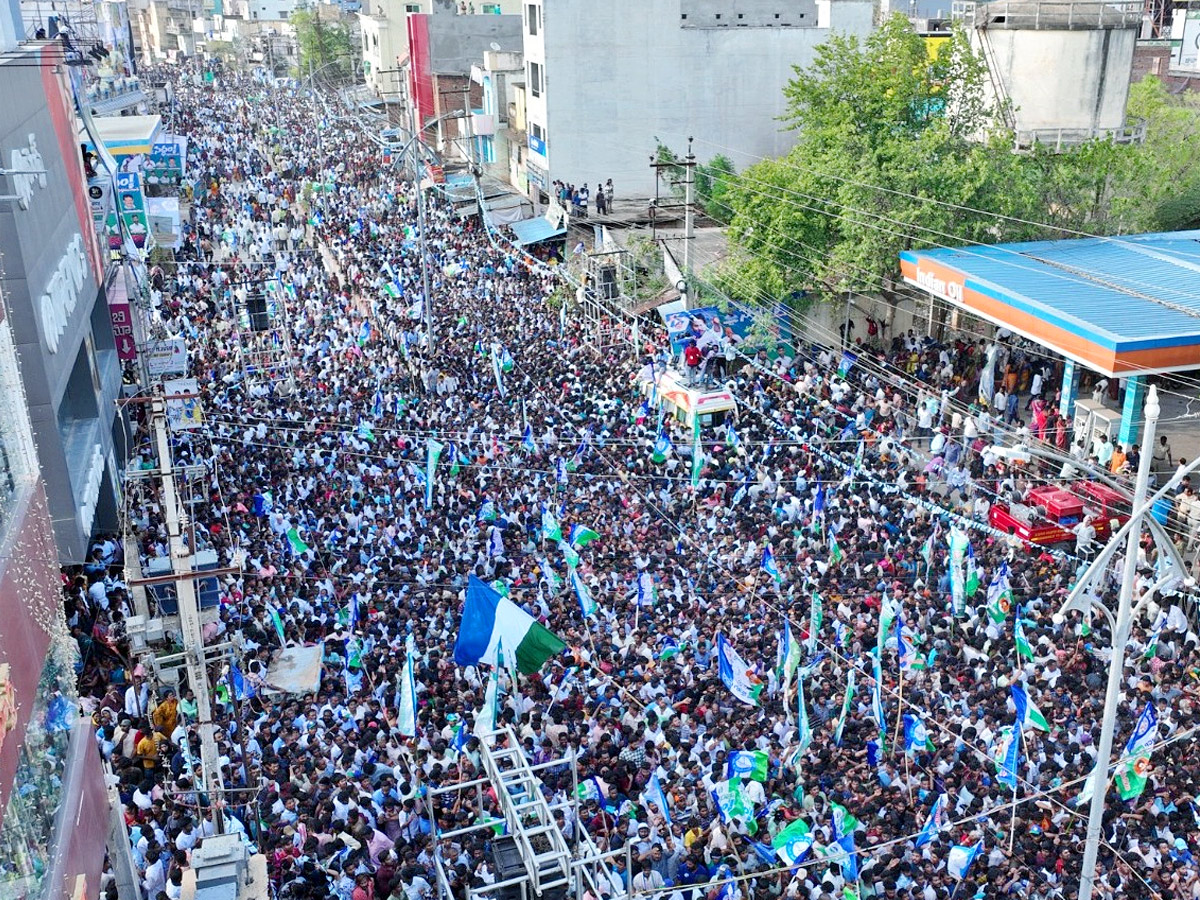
(793, 843)
(788, 657)
(297, 543)
(846, 701)
(814, 623)
(697, 454)
(1023, 648)
(805, 735)
(835, 550)
(550, 528)
(486, 718)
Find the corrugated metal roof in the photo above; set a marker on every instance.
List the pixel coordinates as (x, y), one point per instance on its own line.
(1136, 291)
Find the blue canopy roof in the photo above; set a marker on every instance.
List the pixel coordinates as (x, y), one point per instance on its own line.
(533, 231)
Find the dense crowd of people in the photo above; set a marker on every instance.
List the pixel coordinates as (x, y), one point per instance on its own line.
(855, 477)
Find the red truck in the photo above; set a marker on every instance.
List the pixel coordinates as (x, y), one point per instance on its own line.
(1050, 513)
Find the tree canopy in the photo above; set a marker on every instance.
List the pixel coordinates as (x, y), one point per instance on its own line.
(900, 148)
(326, 50)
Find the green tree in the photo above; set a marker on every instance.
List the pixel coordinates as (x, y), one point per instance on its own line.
(898, 150)
(327, 52)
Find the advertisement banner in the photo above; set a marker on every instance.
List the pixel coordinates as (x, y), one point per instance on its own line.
(692, 323)
(183, 411)
(164, 167)
(131, 204)
(167, 357)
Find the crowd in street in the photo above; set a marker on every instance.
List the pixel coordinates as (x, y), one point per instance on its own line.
(857, 480)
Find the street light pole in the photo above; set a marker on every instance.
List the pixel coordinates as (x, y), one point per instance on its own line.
(427, 301)
(1116, 669)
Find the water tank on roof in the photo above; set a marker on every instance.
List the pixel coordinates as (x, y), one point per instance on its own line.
(1063, 66)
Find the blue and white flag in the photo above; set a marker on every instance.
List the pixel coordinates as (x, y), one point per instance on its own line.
(904, 650)
(1008, 756)
(433, 451)
(647, 593)
(735, 674)
(587, 605)
(560, 471)
(495, 542)
(527, 443)
(768, 564)
(959, 860)
(916, 737)
(654, 794)
(934, 824)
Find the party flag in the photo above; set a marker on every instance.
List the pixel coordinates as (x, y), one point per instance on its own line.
(804, 729)
(296, 542)
(999, 595)
(581, 536)
(587, 605)
(747, 764)
(934, 824)
(835, 551)
(736, 675)
(846, 701)
(488, 619)
(793, 843)
(407, 714)
(527, 443)
(455, 465)
(433, 451)
(277, 621)
(814, 622)
(1134, 767)
(1023, 647)
(959, 860)
(788, 657)
(655, 794)
(662, 448)
(550, 528)
(1028, 715)
(768, 564)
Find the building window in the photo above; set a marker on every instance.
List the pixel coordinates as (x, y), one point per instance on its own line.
(412, 7)
(531, 18)
(535, 79)
(491, 9)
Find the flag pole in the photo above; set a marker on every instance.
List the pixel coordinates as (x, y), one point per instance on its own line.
(1012, 821)
(899, 711)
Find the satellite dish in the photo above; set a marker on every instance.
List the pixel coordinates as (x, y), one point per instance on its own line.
(495, 46)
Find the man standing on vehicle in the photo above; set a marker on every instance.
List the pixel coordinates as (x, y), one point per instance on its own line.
(1085, 535)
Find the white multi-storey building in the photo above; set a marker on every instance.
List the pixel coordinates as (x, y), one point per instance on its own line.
(605, 82)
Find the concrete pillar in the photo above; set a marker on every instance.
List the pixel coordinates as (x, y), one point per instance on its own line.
(1131, 411)
(1070, 389)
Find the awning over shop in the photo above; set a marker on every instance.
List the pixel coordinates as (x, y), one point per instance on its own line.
(125, 136)
(534, 231)
(1118, 305)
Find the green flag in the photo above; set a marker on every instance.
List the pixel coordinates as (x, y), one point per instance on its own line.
(1023, 648)
(298, 545)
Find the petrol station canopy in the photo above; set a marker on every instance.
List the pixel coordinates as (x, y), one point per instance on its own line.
(1117, 305)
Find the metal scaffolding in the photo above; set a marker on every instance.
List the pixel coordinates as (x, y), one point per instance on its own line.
(544, 862)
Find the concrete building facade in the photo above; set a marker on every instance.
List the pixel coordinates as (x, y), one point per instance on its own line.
(604, 82)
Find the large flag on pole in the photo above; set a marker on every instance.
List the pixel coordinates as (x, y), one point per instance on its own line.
(793, 843)
(655, 794)
(407, 716)
(489, 618)
(735, 674)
